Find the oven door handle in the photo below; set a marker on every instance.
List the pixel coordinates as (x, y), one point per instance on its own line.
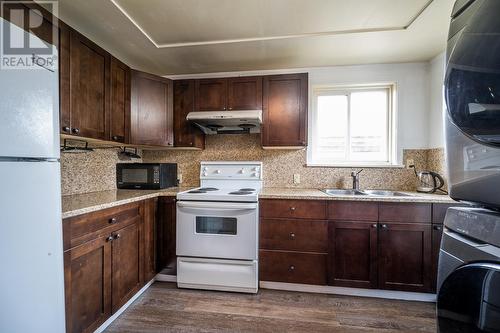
(216, 205)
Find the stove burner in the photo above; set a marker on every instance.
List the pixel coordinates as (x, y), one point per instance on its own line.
(247, 189)
(208, 189)
(197, 191)
(240, 192)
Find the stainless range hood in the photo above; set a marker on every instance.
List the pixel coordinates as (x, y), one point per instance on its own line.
(227, 122)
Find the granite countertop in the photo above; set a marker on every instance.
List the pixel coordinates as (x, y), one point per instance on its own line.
(78, 204)
(73, 205)
(315, 194)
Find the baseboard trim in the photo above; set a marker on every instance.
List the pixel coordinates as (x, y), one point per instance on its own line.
(376, 293)
(166, 278)
(124, 307)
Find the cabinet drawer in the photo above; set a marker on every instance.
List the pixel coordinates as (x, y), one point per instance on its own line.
(353, 211)
(294, 235)
(405, 212)
(293, 267)
(79, 229)
(305, 209)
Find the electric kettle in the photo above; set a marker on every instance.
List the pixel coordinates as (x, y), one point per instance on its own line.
(429, 182)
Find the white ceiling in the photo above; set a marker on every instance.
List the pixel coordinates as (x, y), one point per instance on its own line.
(200, 36)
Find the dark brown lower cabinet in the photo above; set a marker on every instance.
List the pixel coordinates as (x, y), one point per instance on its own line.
(112, 259)
(166, 259)
(149, 228)
(293, 267)
(87, 274)
(353, 254)
(126, 268)
(404, 256)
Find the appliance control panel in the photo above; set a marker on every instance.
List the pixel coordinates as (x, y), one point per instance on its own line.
(231, 170)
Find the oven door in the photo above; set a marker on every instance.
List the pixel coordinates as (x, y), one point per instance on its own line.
(225, 230)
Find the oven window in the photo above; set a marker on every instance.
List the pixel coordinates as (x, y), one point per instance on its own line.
(216, 225)
(135, 176)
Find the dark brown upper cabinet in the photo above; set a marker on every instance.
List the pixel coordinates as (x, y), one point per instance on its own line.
(210, 94)
(84, 86)
(226, 94)
(151, 111)
(284, 122)
(120, 101)
(185, 133)
(244, 93)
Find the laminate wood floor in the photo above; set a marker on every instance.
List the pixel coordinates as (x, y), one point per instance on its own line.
(164, 308)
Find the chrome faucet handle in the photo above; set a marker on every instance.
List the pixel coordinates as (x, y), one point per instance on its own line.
(355, 174)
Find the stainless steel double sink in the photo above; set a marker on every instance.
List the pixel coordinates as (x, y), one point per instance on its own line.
(372, 193)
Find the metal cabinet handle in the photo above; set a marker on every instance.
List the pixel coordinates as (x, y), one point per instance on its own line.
(76, 130)
(66, 129)
(292, 235)
(109, 239)
(117, 236)
(291, 268)
(190, 143)
(114, 138)
(230, 108)
(384, 226)
(374, 225)
(437, 227)
(292, 209)
(112, 220)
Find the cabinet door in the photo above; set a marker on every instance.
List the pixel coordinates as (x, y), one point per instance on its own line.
(166, 259)
(149, 227)
(284, 122)
(437, 233)
(210, 95)
(244, 93)
(151, 113)
(353, 254)
(120, 101)
(405, 256)
(127, 264)
(89, 69)
(185, 133)
(87, 274)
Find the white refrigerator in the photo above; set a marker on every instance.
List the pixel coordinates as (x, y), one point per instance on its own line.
(31, 247)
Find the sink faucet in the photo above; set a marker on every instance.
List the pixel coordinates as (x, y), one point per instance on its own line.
(355, 179)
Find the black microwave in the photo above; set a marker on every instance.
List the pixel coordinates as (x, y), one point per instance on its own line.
(146, 176)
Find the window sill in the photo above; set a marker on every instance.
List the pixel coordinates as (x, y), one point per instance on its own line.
(354, 165)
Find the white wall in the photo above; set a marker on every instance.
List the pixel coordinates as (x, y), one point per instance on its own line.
(413, 94)
(437, 106)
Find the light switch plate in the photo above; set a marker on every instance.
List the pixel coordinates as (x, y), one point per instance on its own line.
(296, 178)
(179, 178)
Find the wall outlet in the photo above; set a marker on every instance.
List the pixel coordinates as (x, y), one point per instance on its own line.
(179, 178)
(296, 178)
(409, 163)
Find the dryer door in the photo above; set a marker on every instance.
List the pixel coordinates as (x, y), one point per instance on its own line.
(469, 299)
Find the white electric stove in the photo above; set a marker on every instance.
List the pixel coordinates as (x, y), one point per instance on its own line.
(217, 228)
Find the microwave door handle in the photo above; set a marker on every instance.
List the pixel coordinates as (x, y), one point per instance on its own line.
(219, 206)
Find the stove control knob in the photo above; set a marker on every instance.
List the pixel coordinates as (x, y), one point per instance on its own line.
(205, 174)
(242, 171)
(256, 174)
(217, 171)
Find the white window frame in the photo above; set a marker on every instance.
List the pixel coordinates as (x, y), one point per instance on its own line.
(347, 90)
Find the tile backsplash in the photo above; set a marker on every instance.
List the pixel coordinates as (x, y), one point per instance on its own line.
(96, 171)
(89, 172)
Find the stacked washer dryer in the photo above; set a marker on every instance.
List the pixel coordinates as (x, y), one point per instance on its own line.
(469, 260)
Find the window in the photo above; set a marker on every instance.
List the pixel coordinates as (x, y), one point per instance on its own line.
(352, 126)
